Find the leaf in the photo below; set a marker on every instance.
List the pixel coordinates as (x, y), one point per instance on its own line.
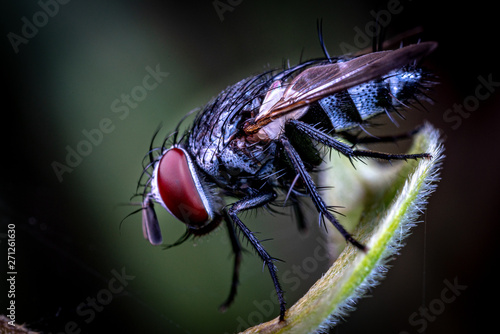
(383, 203)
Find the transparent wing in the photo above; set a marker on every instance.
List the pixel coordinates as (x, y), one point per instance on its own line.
(321, 81)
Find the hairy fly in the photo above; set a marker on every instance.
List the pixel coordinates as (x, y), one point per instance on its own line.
(262, 138)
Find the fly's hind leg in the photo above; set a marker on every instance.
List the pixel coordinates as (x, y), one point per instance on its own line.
(380, 139)
(329, 141)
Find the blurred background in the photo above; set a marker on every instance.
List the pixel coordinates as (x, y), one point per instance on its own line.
(72, 146)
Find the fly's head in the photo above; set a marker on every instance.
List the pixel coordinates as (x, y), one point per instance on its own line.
(175, 183)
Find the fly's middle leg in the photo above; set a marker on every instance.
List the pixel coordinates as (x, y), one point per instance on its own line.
(321, 206)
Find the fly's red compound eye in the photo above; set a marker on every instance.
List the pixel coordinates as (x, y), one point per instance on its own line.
(178, 189)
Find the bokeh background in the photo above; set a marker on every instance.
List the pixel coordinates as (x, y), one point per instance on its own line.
(63, 81)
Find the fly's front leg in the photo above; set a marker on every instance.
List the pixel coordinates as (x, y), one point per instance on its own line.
(236, 247)
(329, 141)
(322, 208)
(251, 202)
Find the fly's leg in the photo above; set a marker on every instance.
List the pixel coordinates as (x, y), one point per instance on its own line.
(236, 247)
(251, 202)
(329, 141)
(382, 139)
(299, 213)
(322, 208)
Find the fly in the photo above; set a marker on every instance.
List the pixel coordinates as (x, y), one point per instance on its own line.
(261, 138)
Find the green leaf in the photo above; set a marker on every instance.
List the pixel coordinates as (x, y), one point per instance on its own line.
(381, 204)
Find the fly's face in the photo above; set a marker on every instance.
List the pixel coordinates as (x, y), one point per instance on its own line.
(175, 184)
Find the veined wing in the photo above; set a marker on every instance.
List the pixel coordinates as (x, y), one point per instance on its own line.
(321, 81)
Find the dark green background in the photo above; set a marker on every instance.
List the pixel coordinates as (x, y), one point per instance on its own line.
(68, 235)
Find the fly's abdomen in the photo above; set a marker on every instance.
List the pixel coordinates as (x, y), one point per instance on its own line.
(351, 107)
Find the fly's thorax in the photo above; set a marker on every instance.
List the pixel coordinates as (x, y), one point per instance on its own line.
(217, 125)
(243, 158)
